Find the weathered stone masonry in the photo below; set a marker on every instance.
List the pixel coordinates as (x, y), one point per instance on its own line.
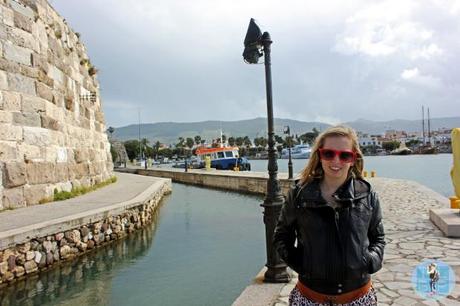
(52, 130)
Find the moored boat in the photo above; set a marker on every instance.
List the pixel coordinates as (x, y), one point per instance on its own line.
(223, 158)
(301, 151)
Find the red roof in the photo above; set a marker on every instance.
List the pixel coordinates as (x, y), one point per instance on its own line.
(202, 151)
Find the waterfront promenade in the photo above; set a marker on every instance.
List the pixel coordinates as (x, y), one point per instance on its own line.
(411, 238)
(36, 237)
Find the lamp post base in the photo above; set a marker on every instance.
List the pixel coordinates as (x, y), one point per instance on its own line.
(277, 274)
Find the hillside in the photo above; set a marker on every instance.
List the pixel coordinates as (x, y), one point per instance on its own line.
(168, 132)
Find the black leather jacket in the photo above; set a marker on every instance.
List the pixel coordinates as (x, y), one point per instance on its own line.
(337, 249)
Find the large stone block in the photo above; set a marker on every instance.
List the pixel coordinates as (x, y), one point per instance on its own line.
(44, 78)
(27, 119)
(8, 150)
(81, 155)
(9, 66)
(14, 174)
(13, 197)
(29, 152)
(11, 101)
(22, 22)
(3, 34)
(6, 117)
(8, 16)
(62, 172)
(3, 80)
(44, 92)
(22, 9)
(49, 123)
(78, 170)
(29, 71)
(34, 193)
(56, 74)
(23, 39)
(22, 84)
(32, 104)
(40, 34)
(40, 172)
(37, 136)
(17, 54)
(10, 132)
(55, 112)
(40, 61)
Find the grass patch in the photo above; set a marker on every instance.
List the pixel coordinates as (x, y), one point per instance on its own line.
(76, 191)
(6, 208)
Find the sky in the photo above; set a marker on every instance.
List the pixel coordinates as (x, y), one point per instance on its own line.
(332, 61)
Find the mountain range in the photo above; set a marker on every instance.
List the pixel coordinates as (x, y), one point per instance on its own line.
(169, 132)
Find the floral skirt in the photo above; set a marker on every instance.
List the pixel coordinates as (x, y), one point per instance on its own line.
(297, 299)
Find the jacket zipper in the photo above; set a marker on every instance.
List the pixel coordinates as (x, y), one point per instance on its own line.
(336, 219)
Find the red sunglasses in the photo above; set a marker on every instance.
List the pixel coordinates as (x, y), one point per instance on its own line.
(344, 156)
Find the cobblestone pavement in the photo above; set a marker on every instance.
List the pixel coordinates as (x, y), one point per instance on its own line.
(411, 238)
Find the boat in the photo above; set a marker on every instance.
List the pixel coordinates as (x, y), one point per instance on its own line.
(192, 163)
(301, 151)
(402, 150)
(223, 158)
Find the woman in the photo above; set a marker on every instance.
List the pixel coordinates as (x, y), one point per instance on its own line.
(434, 276)
(330, 228)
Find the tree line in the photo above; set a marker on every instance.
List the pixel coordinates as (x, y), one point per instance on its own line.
(185, 146)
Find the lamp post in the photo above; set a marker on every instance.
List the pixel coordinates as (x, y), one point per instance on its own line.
(287, 131)
(257, 44)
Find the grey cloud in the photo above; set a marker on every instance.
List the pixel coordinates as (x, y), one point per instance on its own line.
(186, 67)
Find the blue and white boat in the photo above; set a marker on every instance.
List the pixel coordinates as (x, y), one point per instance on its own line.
(223, 158)
(301, 151)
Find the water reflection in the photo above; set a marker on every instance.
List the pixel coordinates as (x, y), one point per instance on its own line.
(85, 281)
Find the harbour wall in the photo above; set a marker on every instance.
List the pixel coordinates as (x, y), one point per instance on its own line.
(29, 249)
(248, 182)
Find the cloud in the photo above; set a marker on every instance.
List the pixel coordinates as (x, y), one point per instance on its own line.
(415, 77)
(388, 28)
(410, 73)
(332, 60)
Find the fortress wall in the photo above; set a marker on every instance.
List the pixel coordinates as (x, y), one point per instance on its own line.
(52, 130)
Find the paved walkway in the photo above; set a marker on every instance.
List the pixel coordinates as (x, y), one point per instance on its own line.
(36, 221)
(411, 238)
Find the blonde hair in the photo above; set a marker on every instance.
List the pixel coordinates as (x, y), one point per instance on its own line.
(314, 170)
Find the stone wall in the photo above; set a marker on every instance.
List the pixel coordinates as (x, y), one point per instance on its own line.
(41, 253)
(52, 130)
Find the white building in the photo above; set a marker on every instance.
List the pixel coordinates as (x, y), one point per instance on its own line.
(372, 140)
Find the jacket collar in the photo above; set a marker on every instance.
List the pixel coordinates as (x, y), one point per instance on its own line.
(352, 189)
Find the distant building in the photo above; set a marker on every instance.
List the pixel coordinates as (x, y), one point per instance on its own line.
(370, 140)
(395, 135)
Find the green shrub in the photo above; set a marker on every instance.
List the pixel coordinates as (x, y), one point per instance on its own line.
(77, 191)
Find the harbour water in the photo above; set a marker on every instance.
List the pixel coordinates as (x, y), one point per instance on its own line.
(432, 171)
(205, 249)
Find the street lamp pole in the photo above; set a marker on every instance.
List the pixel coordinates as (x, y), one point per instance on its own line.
(255, 43)
(287, 131)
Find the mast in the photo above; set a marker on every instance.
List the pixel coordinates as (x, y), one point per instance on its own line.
(423, 124)
(429, 130)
